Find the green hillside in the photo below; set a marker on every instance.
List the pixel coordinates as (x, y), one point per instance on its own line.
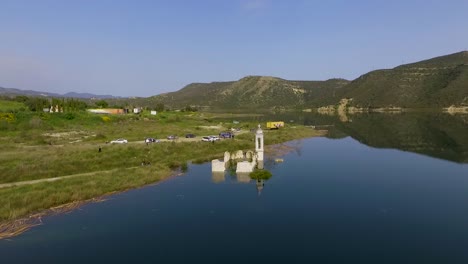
(251, 92)
(434, 83)
(10, 106)
(200, 94)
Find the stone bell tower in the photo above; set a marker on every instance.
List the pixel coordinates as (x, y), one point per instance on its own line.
(259, 146)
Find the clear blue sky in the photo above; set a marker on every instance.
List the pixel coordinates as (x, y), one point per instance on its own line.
(143, 48)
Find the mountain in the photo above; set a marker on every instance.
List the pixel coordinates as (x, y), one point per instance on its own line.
(434, 83)
(250, 92)
(14, 92)
(88, 95)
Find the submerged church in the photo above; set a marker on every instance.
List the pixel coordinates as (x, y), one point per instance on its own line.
(246, 162)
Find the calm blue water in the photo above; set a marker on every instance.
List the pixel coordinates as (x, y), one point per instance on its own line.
(331, 201)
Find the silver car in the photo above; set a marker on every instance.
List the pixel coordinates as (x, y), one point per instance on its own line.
(119, 141)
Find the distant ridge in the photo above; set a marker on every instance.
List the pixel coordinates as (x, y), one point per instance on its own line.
(433, 83)
(88, 95)
(14, 92)
(252, 92)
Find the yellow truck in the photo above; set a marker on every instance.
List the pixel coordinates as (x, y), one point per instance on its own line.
(275, 125)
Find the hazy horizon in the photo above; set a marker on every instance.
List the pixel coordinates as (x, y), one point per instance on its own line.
(123, 48)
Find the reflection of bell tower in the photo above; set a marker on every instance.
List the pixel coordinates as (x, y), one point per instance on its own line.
(259, 146)
(260, 185)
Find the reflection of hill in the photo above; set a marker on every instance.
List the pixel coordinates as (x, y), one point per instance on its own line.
(437, 135)
(434, 134)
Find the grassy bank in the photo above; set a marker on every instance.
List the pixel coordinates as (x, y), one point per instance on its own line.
(116, 167)
(10, 106)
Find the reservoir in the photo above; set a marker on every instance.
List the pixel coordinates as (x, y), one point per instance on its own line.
(378, 191)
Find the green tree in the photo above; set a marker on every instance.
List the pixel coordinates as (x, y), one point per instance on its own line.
(36, 104)
(189, 108)
(159, 107)
(21, 98)
(102, 104)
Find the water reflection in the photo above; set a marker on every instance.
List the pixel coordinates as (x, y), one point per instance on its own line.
(260, 183)
(244, 178)
(439, 135)
(337, 202)
(218, 176)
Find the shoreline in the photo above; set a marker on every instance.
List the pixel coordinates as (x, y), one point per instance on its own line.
(17, 226)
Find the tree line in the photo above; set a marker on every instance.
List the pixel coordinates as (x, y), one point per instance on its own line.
(37, 104)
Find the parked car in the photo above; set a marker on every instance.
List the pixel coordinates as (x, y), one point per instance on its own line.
(119, 141)
(210, 138)
(171, 137)
(226, 135)
(206, 139)
(151, 140)
(190, 136)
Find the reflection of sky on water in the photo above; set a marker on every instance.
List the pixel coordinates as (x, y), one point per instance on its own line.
(339, 201)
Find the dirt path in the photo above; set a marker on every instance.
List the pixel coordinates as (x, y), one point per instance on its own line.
(21, 183)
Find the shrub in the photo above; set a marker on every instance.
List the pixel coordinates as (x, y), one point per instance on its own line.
(173, 119)
(8, 117)
(44, 116)
(35, 122)
(184, 167)
(3, 125)
(174, 165)
(100, 136)
(260, 175)
(69, 116)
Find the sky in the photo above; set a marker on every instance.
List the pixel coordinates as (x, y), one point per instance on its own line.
(149, 47)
